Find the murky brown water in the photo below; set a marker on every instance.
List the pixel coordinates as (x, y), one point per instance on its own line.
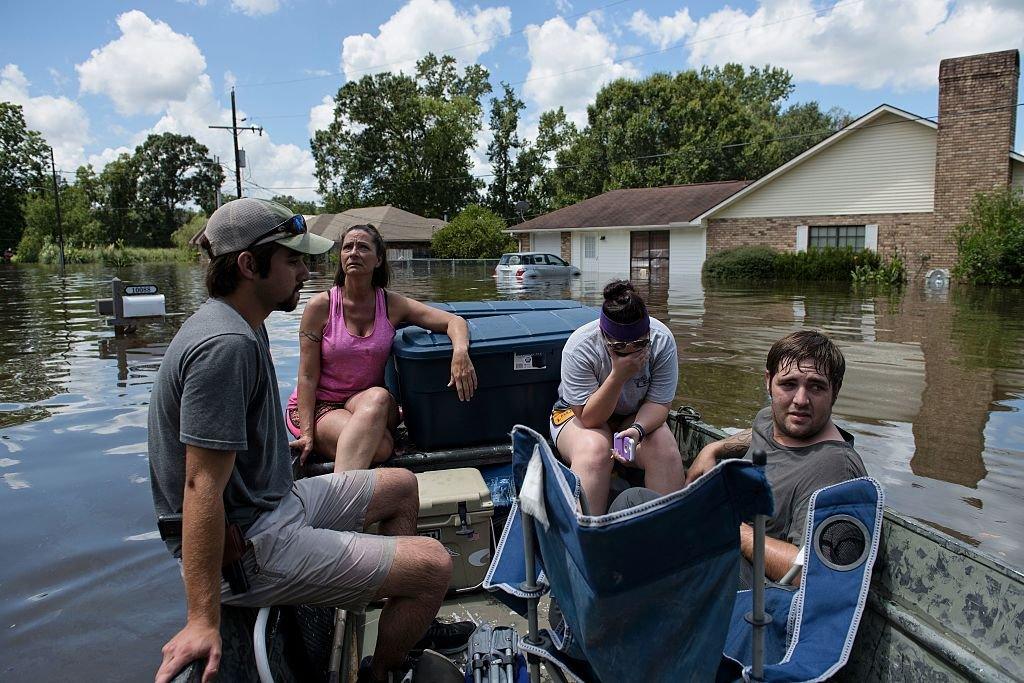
(934, 394)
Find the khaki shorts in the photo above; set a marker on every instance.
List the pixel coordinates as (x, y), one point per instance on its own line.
(311, 549)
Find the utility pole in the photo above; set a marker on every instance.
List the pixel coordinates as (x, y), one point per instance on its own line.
(56, 200)
(234, 134)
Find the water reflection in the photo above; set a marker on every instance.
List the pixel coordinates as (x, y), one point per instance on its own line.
(934, 394)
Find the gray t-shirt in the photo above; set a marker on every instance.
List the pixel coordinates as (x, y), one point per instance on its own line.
(217, 389)
(587, 362)
(796, 473)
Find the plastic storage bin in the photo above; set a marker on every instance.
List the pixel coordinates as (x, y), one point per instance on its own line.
(479, 309)
(456, 509)
(518, 361)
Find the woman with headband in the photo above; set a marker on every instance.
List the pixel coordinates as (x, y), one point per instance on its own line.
(619, 376)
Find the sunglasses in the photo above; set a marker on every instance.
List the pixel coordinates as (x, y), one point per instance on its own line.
(296, 225)
(636, 344)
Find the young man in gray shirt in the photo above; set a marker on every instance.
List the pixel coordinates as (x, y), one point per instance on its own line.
(219, 452)
(806, 450)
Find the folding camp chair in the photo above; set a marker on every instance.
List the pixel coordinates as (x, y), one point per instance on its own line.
(812, 629)
(646, 593)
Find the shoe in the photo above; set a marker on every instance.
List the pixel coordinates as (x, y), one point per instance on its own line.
(446, 638)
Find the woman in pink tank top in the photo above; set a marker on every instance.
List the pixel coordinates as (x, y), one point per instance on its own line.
(340, 407)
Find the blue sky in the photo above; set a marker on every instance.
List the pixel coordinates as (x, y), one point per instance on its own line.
(96, 77)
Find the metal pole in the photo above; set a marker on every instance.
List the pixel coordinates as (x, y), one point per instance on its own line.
(216, 198)
(56, 201)
(234, 135)
(530, 586)
(759, 618)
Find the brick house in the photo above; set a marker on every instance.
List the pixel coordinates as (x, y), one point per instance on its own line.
(889, 181)
(407, 234)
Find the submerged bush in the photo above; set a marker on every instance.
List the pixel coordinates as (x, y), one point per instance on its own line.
(990, 244)
(765, 263)
(891, 274)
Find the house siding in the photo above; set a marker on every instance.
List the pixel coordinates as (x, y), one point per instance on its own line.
(1018, 175)
(908, 234)
(886, 167)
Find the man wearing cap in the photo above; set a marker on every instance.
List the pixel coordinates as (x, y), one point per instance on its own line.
(218, 452)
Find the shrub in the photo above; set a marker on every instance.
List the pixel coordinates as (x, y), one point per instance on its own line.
(891, 274)
(990, 243)
(477, 232)
(764, 263)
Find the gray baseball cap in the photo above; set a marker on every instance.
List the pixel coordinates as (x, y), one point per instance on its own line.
(248, 222)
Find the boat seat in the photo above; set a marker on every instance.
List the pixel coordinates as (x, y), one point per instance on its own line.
(813, 627)
(646, 593)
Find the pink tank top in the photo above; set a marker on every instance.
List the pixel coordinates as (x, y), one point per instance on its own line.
(350, 364)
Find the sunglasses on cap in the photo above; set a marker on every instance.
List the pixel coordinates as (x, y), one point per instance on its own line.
(295, 225)
(636, 344)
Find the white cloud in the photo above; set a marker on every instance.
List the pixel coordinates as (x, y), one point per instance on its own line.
(562, 65)
(100, 160)
(869, 44)
(664, 31)
(146, 68)
(62, 122)
(256, 8)
(321, 116)
(423, 26)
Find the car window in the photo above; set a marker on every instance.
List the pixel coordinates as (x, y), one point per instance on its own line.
(556, 261)
(504, 259)
(513, 260)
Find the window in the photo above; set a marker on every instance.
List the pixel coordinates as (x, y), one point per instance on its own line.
(555, 261)
(648, 254)
(839, 236)
(589, 246)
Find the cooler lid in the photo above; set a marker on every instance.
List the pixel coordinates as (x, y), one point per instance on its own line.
(475, 309)
(441, 492)
(496, 332)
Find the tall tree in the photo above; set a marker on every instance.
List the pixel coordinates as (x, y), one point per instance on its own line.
(403, 140)
(173, 170)
(503, 151)
(24, 159)
(720, 123)
(119, 208)
(532, 180)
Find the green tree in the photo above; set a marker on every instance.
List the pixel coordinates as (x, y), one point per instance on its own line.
(117, 202)
(79, 227)
(24, 160)
(990, 243)
(532, 180)
(297, 205)
(720, 123)
(403, 140)
(477, 232)
(172, 171)
(502, 151)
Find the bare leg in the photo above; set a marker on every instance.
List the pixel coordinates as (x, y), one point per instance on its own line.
(659, 457)
(358, 434)
(395, 502)
(588, 452)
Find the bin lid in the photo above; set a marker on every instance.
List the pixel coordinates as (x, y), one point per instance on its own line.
(441, 491)
(496, 332)
(475, 309)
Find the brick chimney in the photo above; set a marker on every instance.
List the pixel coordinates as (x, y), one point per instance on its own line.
(977, 123)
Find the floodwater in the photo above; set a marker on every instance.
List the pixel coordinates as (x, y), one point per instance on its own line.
(934, 394)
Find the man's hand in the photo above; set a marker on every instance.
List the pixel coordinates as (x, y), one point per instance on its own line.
(704, 462)
(627, 367)
(463, 375)
(195, 641)
(303, 444)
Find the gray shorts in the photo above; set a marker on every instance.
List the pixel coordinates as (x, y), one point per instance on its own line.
(311, 549)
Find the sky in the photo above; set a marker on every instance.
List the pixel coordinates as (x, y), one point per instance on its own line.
(96, 77)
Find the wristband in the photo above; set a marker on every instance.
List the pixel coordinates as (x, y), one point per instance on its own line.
(640, 430)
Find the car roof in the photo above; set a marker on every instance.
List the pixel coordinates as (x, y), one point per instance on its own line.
(528, 253)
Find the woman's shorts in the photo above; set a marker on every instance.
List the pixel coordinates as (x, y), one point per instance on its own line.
(319, 410)
(561, 414)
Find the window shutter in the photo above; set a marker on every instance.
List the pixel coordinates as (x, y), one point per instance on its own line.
(801, 238)
(871, 237)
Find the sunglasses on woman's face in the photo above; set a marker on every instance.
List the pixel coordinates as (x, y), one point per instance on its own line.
(296, 225)
(634, 345)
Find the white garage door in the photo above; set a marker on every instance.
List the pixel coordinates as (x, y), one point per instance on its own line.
(548, 242)
(686, 249)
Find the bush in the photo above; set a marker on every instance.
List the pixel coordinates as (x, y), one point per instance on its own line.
(990, 243)
(891, 274)
(765, 263)
(477, 232)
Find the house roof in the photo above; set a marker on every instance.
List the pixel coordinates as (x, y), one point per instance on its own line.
(394, 224)
(863, 122)
(670, 205)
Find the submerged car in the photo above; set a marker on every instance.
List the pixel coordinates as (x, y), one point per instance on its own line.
(532, 264)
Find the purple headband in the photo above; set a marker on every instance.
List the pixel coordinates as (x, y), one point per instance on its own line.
(631, 332)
